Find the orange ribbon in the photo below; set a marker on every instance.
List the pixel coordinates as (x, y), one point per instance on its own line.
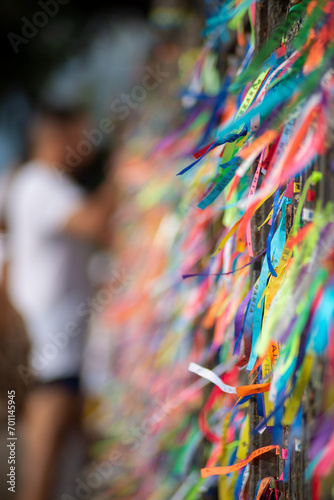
(219, 471)
(248, 390)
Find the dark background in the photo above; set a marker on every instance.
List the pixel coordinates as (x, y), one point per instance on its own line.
(69, 31)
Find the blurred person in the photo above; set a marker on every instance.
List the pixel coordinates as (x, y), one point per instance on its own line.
(53, 226)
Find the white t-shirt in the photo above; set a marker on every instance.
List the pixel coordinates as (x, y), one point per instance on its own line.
(47, 274)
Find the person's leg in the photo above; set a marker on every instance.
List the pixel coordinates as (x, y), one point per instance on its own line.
(49, 412)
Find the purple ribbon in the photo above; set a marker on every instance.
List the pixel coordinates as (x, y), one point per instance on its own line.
(185, 276)
(239, 320)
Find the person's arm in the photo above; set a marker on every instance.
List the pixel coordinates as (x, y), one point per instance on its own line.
(90, 221)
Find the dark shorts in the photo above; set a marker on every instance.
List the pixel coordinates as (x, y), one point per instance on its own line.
(72, 383)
